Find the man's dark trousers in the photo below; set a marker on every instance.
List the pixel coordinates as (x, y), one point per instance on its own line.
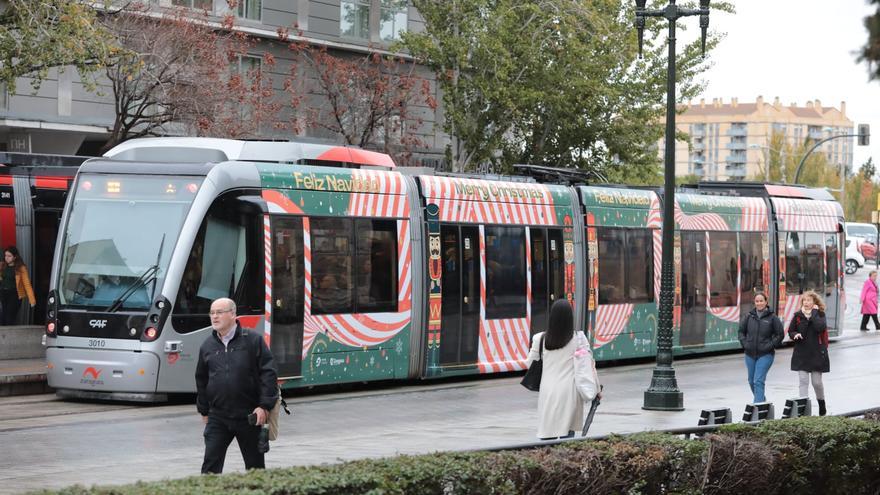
(219, 433)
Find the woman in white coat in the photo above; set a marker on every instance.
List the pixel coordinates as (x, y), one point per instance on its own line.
(569, 377)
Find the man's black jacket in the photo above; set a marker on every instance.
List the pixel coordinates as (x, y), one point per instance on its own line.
(232, 381)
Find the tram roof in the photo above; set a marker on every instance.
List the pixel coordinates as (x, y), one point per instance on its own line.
(760, 189)
(214, 150)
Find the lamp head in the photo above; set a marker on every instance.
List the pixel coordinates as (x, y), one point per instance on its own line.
(640, 4)
(704, 4)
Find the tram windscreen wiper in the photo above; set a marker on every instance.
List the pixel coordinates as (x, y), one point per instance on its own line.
(145, 278)
(149, 275)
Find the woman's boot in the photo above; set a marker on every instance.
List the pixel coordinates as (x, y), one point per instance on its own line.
(822, 410)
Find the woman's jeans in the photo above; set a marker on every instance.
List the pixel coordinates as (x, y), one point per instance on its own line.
(758, 368)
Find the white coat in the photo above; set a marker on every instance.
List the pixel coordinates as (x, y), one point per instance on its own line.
(568, 380)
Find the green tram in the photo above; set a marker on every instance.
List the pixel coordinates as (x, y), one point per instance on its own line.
(354, 270)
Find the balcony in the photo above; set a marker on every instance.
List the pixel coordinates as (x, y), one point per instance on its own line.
(737, 131)
(737, 145)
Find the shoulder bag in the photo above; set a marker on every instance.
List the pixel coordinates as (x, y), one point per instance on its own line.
(532, 378)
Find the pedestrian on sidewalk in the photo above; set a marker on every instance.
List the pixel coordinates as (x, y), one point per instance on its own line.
(869, 302)
(809, 333)
(569, 377)
(235, 379)
(760, 333)
(15, 285)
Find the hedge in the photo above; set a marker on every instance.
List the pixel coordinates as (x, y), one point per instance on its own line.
(807, 455)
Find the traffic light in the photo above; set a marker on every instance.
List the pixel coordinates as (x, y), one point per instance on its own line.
(864, 134)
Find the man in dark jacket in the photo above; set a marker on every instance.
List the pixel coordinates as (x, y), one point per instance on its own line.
(235, 377)
(760, 333)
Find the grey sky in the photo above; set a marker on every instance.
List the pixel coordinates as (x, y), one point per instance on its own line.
(798, 50)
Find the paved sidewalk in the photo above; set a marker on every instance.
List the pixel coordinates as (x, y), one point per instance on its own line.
(22, 376)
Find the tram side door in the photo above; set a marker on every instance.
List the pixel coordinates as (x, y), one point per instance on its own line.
(460, 314)
(288, 295)
(693, 289)
(548, 274)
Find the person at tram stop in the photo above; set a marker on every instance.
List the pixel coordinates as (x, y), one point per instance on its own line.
(15, 285)
(569, 377)
(230, 364)
(809, 333)
(868, 299)
(760, 333)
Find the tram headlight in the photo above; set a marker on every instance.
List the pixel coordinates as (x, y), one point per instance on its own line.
(150, 334)
(50, 328)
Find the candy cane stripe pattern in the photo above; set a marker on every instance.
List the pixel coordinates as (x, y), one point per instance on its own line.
(480, 201)
(800, 215)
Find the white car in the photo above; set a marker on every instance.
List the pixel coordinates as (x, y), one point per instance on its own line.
(854, 258)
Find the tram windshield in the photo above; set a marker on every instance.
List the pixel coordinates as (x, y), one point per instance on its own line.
(120, 233)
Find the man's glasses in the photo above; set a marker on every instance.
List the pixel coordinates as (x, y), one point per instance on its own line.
(217, 312)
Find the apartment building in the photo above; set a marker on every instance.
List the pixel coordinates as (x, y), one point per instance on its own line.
(63, 117)
(731, 140)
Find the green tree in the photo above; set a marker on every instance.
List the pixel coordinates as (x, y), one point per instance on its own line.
(552, 82)
(36, 36)
(870, 53)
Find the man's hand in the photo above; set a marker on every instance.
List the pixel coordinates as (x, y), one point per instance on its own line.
(262, 416)
(204, 419)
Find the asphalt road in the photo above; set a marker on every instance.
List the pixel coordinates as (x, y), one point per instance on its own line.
(48, 443)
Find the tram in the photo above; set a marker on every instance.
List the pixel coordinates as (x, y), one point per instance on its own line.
(354, 270)
(33, 189)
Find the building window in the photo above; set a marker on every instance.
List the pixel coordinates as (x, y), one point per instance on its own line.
(195, 4)
(393, 19)
(249, 9)
(505, 272)
(4, 97)
(354, 19)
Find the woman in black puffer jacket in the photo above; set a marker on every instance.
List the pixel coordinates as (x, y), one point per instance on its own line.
(760, 333)
(809, 333)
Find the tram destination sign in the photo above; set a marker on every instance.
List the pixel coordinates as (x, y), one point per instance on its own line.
(6, 196)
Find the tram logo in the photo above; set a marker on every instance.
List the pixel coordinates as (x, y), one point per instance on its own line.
(94, 373)
(97, 323)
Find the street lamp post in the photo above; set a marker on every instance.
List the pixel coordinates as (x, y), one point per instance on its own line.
(663, 394)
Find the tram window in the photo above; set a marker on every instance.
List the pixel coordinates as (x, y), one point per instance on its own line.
(557, 263)
(505, 272)
(225, 261)
(612, 268)
(751, 268)
(831, 255)
(331, 265)
(376, 265)
(793, 273)
(813, 254)
(354, 265)
(639, 266)
(723, 271)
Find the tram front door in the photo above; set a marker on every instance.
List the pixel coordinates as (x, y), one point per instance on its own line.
(288, 286)
(460, 316)
(693, 289)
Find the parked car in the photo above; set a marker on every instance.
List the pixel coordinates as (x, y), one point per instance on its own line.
(854, 258)
(867, 233)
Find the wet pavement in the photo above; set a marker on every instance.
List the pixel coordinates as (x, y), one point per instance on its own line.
(46, 443)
